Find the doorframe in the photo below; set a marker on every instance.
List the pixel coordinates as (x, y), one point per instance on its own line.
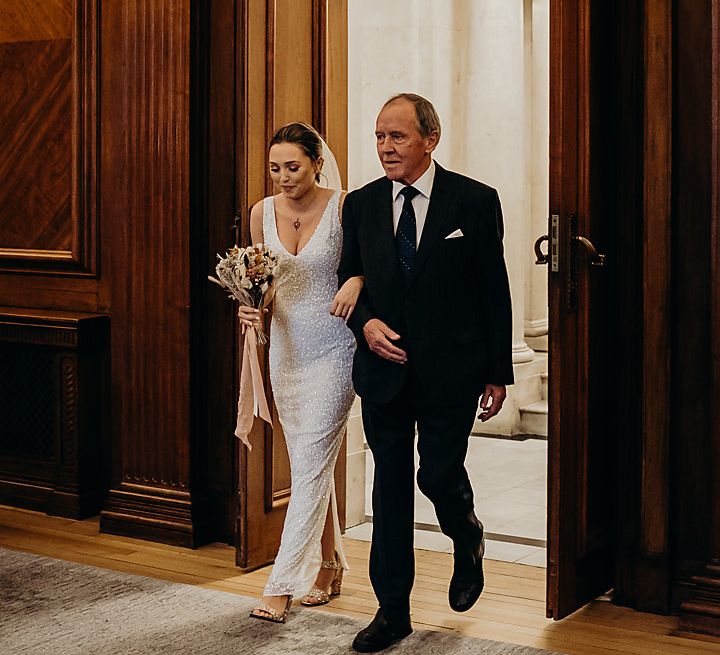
(265, 99)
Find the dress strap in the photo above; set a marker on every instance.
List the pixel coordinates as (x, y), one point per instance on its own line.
(269, 226)
(334, 209)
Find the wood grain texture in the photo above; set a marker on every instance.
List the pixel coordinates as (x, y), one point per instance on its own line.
(145, 202)
(701, 610)
(336, 83)
(656, 276)
(167, 196)
(692, 337)
(48, 71)
(293, 68)
(584, 304)
(715, 270)
(631, 587)
(35, 162)
(568, 416)
(218, 204)
(511, 608)
(23, 20)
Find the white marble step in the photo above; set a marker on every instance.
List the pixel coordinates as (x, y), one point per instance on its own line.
(538, 344)
(526, 390)
(533, 418)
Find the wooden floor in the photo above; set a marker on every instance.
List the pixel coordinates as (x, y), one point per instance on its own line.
(512, 607)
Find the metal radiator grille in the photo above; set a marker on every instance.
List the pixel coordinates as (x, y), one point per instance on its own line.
(27, 400)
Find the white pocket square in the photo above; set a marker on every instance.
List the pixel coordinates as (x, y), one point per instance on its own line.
(456, 234)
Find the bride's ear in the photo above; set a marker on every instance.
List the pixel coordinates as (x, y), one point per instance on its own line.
(319, 163)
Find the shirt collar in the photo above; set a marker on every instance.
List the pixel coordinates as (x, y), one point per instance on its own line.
(423, 184)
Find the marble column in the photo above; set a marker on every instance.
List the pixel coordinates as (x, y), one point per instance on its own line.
(538, 60)
(494, 144)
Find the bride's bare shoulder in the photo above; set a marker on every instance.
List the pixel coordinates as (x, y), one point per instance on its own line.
(256, 222)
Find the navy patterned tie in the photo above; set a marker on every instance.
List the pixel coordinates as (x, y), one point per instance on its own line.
(406, 235)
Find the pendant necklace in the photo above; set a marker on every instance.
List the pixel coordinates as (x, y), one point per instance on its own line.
(296, 223)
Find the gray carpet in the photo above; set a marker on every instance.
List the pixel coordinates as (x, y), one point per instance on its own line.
(53, 607)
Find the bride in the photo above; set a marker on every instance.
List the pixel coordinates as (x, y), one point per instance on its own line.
(311, 352)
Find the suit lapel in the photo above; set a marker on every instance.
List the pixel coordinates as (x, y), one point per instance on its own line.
(434, 220)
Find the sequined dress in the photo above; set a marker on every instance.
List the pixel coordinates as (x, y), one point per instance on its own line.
(311, 356)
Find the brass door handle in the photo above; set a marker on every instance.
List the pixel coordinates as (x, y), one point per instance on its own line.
(596, 258)
(540, 256)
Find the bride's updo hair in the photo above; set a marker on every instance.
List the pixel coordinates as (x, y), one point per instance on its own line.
(301, 135)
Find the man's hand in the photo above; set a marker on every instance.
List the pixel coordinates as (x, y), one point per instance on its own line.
(379, 337)
(492, 400)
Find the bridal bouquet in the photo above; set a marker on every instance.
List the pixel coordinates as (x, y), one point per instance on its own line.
(248, 274)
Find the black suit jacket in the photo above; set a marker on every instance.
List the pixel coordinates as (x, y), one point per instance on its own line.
(454, 315)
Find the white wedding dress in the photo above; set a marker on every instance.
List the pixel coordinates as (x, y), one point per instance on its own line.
(311, 355)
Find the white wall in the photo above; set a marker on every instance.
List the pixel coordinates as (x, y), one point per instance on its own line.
(484, 64)
(479, 64)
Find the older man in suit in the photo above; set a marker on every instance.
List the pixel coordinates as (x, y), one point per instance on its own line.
(433, 326)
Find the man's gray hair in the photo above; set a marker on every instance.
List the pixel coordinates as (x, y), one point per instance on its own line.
(425, 114)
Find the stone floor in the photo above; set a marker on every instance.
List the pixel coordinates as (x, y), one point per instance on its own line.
(509, 479)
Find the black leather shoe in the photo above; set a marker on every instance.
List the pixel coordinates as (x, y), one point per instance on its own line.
(468, 579)
(380, 634)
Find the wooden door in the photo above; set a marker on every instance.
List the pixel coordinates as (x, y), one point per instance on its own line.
(611, 170)
(581, 271)
(291, 70)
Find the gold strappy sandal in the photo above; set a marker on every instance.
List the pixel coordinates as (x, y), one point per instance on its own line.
(318, 596)
(266, 613)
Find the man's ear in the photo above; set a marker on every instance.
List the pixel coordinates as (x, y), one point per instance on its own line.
(433, 139)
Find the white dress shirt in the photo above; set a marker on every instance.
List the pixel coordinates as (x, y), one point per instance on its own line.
(420, 202)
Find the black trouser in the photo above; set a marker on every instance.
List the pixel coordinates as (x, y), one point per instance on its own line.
(442, 445)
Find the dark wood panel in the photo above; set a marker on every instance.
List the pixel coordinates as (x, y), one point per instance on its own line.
(154, 202)
(700, 611)
(48, 123)
(588, 304)
(691, 338)
(216, 80)
(715, 275)
(145, 205)
(656, 259)
(643, 179)
(644, 74)
(23, 20)
(36, 130)
(83, 294)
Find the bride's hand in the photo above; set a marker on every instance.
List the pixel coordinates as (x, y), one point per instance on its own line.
(345, 299)
(249, 316)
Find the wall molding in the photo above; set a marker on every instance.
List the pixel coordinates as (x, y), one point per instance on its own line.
(159, 514)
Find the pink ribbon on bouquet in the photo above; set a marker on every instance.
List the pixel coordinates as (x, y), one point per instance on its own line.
(251, 400)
